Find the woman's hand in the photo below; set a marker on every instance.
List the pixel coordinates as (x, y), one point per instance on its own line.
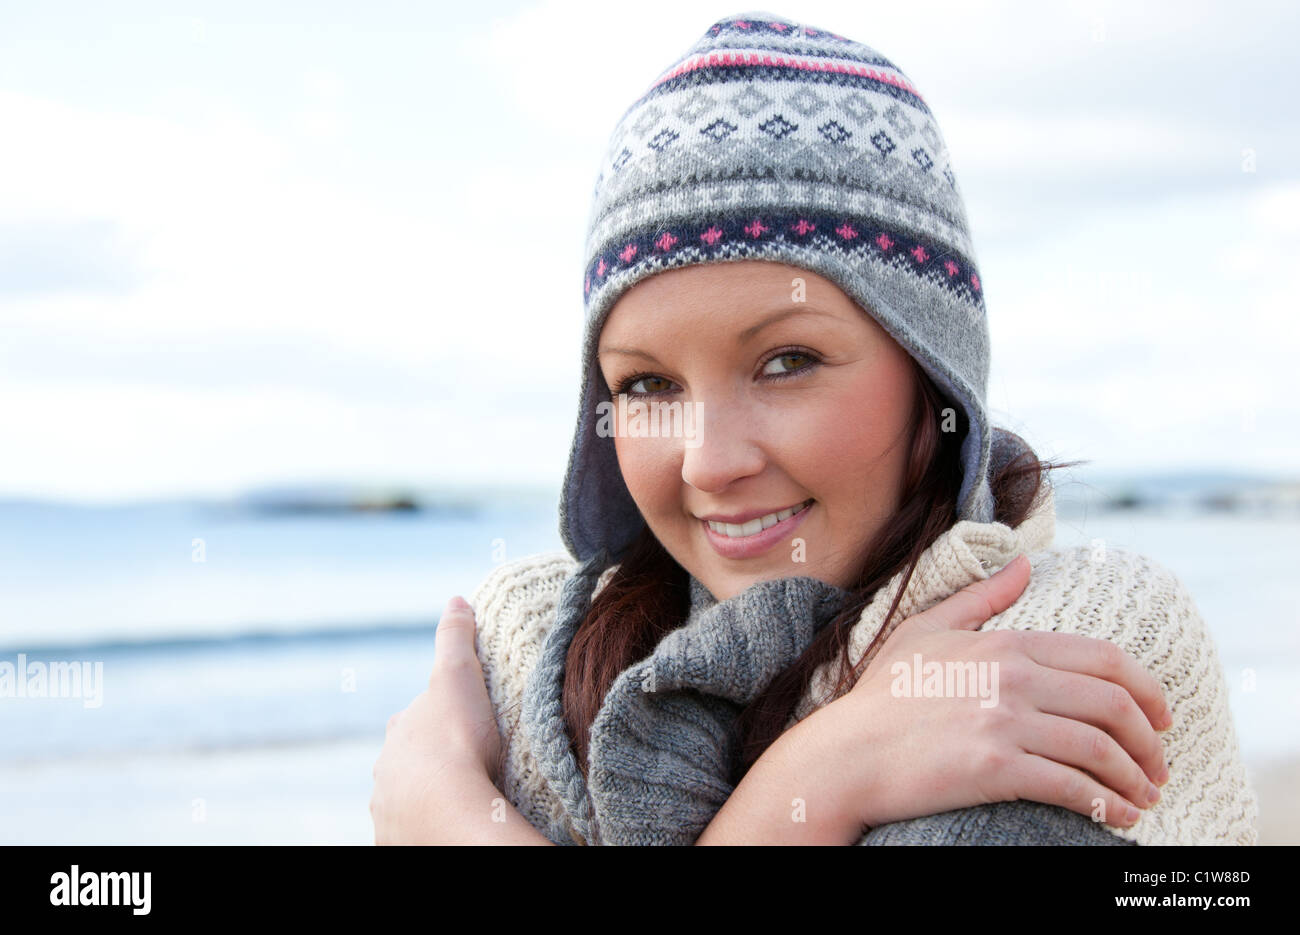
(441, 752)
(1074, 723)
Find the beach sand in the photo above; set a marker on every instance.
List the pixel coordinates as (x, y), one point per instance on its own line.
(301, 794)
(1278, 784)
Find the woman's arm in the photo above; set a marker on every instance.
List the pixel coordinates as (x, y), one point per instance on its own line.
(432, 780)
(879, 756)
(475, 812)
(1019, 822)
(780, 802)
(772, 805)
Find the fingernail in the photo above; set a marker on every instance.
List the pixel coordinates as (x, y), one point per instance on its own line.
(1153, 794)
(1131, 813)
(458, 603)
(1164, 775)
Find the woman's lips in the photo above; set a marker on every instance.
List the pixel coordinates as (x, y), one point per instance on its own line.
(759, 542)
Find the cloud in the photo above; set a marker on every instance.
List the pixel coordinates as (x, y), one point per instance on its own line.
(334, 264)
(1152, 336)
(87, 255)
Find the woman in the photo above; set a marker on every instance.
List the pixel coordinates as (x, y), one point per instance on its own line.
(781, 615)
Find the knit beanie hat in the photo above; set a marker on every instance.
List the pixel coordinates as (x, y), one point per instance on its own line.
(771, 139)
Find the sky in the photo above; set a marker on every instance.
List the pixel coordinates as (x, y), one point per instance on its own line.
(343, 242)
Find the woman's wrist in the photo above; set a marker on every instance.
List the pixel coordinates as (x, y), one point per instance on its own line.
(471, 810)
(787, 797)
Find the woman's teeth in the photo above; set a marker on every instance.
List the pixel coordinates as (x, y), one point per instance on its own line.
(734, 531)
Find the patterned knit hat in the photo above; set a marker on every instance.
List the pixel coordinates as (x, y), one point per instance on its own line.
(776, 140)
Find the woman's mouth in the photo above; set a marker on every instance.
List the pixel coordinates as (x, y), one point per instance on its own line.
(756, 536)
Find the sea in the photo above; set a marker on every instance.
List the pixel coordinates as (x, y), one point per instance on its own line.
(238, 663)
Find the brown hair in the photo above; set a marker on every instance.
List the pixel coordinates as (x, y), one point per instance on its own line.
(647, 595)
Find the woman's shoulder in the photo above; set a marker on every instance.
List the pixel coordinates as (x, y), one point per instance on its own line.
(1105, 566)
(514, 606)
(523, 580)
(514, 609)
(1114, 593)
(1145, 608)
(1135, 602)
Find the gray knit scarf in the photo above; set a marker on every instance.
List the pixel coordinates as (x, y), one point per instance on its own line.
(663, 746)
(660, 760)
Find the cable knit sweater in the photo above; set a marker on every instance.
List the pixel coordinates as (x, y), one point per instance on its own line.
(1112, 594)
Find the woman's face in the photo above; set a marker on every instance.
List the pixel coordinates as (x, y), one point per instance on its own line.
(798, 396)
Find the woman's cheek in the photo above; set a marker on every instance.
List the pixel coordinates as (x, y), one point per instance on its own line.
(814, 436)
(842, 439)
(652, 471)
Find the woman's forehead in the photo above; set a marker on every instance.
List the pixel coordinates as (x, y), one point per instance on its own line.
(736, 293)
(704, 286)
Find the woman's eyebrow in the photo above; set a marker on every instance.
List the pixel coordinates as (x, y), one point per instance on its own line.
(780, 315)
(747, 334)
(630, 352)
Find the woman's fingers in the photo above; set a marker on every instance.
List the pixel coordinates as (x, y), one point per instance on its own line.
(457, 687)
(1101, 659)
(1105, 705)
(454, 639)
(1092, 750)
(1044, 780)
(974, 604)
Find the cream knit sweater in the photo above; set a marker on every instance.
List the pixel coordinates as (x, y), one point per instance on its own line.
(1107, 593)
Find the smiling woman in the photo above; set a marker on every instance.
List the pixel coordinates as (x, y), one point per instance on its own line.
(812, 404)
(778, 241)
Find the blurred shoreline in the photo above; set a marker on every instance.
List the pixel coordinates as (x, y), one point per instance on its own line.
(1077, 488)
(1177, 493)
(251, 655)
(308, 792)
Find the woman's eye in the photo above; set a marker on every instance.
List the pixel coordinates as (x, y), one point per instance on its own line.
(632, 388)
(780, 363)
(783, 365)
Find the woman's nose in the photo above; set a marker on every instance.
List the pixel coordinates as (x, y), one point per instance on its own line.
(724, 449)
